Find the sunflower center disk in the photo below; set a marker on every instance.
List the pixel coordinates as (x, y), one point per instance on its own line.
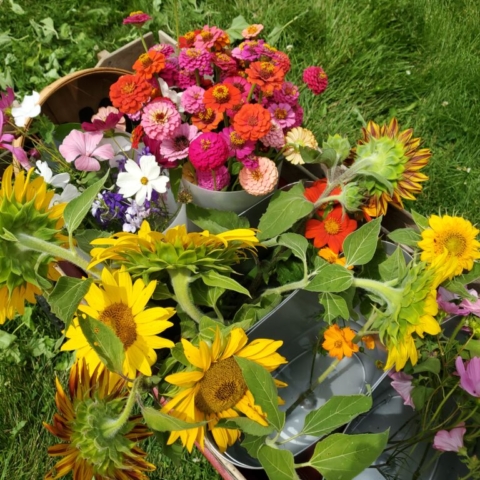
(455, 244)
(221, 388)
(119, 317)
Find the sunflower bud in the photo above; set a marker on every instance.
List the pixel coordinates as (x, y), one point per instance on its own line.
(337, 144)
(352, 197)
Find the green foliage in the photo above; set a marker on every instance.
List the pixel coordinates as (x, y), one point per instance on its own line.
(332, 278)
(161, 422)
(359, 246)
(277, 463)
(214, 279)
(334, 306)
(215, 221)
(246, 425)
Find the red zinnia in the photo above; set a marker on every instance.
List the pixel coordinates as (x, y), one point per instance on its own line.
(129, 93)
(188, 39)
(222, 97)
(149, 63)
(316, 79)
(252, 122)
(330, 231)
(266, 75)
(136, 136)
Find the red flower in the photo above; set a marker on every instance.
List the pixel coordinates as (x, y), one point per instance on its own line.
(222, 97)
(149, 63)
(136, 136)
(129, 93)
(330, 231)
(266, 75)
(252, 122)
(314, 192)
(316, 79)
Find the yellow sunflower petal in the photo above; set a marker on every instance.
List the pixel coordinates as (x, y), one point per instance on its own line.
(236, 341)
(192, 353)
(184, 379)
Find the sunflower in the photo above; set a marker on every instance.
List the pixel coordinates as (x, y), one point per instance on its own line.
(456, 235)
(121, 305)
(215, 388)
(93, 401)
(25, 210)
(395, 156)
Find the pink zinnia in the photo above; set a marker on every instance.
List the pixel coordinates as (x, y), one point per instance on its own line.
(298, 115)
(164, 48)
(170, 72)
(191, 59)
(250, 161)
(250, 50)
(218, 177)
(275, 137)
(185, 79)
(238, 147)
(160, 119)
(192, 99)
(470, 376)
(316, 79)
(176, 146)
(252, 31)
(289, 93)
(240, 83)
(450, 441)
(225, 62)
(85, 150)
(283, 114)
(208, 151)
(261, 180)
(137, 18)
(207, 37)
(402, 384)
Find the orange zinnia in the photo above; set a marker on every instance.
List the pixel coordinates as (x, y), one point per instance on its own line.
(314, 192)
(149, 63)
(252, 122)
(129, 93)
(222, 97)
(338, 342)
(207, 120)
(331, 230)
(266, 75)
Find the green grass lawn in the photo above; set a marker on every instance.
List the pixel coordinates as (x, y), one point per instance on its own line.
(418, 60)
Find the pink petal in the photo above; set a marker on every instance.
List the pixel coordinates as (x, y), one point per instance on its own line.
(105, 152)
(87, 164)
(73, 145)
(92, 139)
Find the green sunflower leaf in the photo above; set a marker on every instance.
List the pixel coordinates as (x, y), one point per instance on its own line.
(405, 236)
(66, 296)
(283, 211)
(335, 306)
(332, 278)
(337, 411)
(298, 244)
(343, 457)
(260, 382)
(214, 279)
(359, 246)
(246, 425)
(278, 464)
(394, 267)
(104, 341)
(78, 208)
(252, 444)
(161, 422)
(215, 221)
(420, 220)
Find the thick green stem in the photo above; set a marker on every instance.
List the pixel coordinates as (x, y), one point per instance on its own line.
(393, 296)
(330, 198)
(38, 245)
(180, 280)
(250, 93)
(112, 426)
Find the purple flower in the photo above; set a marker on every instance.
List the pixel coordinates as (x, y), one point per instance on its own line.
(250, 50)
(6, 99)
(109, 207)
(283, 113)
(450, 441)
(250, 161)
(402, 383)
(5, 142)
(445, 300)
(469, 377)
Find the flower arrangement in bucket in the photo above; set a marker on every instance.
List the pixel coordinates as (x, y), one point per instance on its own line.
(160, 319)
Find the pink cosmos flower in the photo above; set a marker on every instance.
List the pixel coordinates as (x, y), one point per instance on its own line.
(275, 137)
(160, 119)
(192, 99)
(240, 83)
(107, 118)
(6, 140)
(283, 114)
(237, 146)
(252, 31)
(402, 383)
(137, 18)
(450, 441)
(316, 79)
(191, 59)
(470, 376)
(446, 301)
(289, 93)
(208, 151)
(176, 146)
(84, 148)
(261, 180)
(207, 37)
(7, 98)
(216, 179)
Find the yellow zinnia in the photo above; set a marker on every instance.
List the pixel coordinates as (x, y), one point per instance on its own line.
(215, 389)
(25, 211)
(295, 139)
(93, 400)
(455, 235)
(121, 305)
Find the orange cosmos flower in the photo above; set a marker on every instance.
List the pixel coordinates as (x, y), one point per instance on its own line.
(129, 93)
(222, 97)
(368, 341)
(252, 122)
(314, 192)
(149, 63)
(331, 257)
(207, 120)
(338, 342)
(266, 75)
(332, 230)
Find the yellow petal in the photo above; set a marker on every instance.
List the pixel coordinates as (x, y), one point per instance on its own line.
(236, 341)
(184, 379)
(141, 300)
(192, 353)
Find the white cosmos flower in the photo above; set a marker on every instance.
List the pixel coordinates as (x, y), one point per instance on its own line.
(69, 193)
(141, 180)
(29, 108)
(58, 181)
